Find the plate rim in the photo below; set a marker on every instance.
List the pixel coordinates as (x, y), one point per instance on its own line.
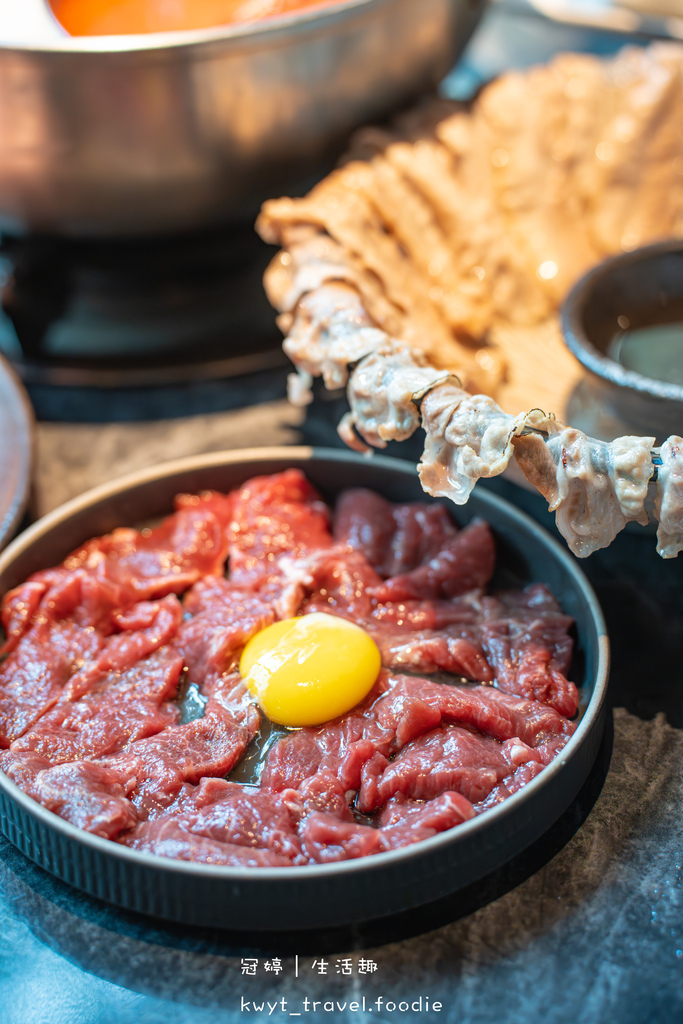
(22, 415)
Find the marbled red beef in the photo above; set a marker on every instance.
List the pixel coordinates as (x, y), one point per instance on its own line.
(404, 821)
(168, 559)
(34, 675)
(62, 659)
(19, 607)
(519, 640)
(149, 773)
(325, 839)
(395, 539)
(511, 784)
(61, 594)
(221, 618)
(117, 570)
(220, 505)
(144, 627)
(339, 582)
(152, 771)
(525, 636)
(447, 758)
(430, 651)
(484, 708)
(339, 748)
(464, 563)
(121, 708)
(87, 794)
(245, 815)
(402, 617)
(22, 767)
(406, 708)
(94, 650)
(364, 521)
(168, 837)
(273, 516)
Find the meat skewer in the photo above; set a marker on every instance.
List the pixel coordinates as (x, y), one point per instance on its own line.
(376, 291)
(594, 487)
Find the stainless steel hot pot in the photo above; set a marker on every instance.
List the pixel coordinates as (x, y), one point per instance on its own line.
(131, 135)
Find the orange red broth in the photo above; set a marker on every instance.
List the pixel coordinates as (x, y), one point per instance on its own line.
(126, 17)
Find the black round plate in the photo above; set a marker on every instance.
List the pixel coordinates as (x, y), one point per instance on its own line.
(315, 896)
(16, 449)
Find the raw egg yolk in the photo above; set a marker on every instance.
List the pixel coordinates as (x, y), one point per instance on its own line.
(308, 670)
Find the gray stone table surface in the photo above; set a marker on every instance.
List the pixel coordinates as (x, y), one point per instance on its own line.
(595, 934)
(587, 926)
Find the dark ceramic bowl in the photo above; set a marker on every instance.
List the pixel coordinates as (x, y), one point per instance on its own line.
(320, 895)
(628, 293)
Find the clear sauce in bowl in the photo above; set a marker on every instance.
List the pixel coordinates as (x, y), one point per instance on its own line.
(654, 351)
(131, 17)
